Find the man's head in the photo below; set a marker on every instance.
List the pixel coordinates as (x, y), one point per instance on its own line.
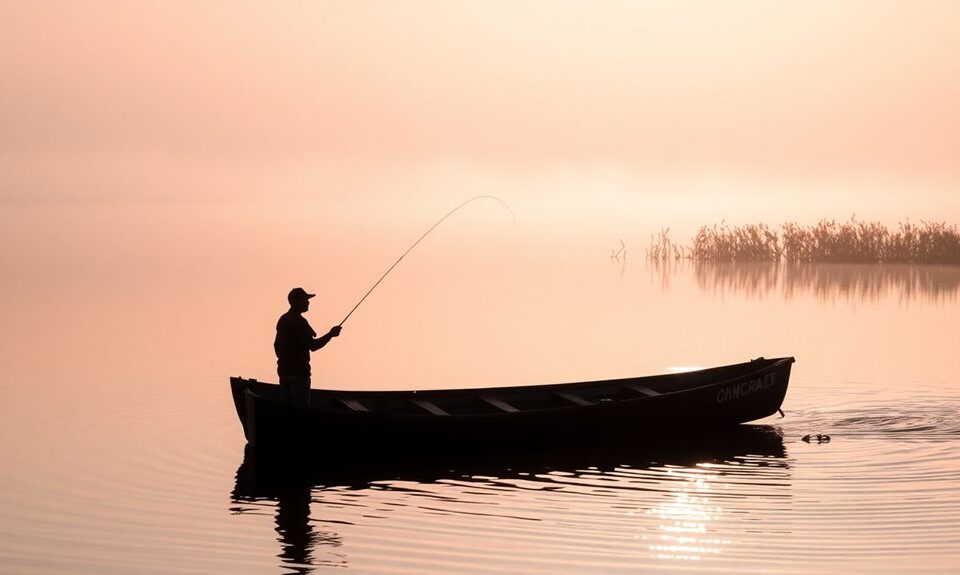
(299, 299)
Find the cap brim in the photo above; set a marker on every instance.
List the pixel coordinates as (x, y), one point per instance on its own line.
(310, 295)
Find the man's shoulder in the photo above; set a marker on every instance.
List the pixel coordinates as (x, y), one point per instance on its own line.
(291, 318)
(294, 321)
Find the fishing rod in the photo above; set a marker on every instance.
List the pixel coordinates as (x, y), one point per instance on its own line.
(410, 249)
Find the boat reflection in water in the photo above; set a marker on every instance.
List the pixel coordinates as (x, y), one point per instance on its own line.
(868, 282)
(668, 502)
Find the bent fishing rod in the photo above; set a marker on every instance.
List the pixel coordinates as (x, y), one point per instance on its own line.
(410, 249)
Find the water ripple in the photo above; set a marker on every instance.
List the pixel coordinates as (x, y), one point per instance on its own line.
(884, 489)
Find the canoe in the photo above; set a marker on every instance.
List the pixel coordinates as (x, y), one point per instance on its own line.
(591, 411)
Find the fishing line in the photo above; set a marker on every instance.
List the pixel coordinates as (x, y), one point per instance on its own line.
(425, 234)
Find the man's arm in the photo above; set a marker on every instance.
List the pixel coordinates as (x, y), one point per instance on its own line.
(323, 340)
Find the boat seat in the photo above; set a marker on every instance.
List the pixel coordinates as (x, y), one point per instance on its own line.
(642, 389)
(573, 398)
(499, 404)
(429, 406)
(352, 404)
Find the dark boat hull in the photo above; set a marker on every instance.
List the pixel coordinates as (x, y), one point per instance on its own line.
(602, 411)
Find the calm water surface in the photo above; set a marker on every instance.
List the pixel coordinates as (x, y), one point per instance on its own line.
(122, 453)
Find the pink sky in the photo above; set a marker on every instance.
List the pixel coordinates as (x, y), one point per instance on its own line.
(105, 99)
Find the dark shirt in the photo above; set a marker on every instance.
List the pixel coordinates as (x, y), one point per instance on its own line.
(294, 341)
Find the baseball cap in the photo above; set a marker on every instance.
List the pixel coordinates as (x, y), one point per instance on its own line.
(299, 294)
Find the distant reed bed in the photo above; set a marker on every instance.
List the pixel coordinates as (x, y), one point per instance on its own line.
(825, 242)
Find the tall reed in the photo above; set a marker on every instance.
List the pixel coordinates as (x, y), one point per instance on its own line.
(662, 248)
(741, 243)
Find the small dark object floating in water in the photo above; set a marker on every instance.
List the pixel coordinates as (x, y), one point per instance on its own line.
(816, 438)
(502, 417)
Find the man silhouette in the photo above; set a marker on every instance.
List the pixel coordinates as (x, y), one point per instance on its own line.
(293, 344)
